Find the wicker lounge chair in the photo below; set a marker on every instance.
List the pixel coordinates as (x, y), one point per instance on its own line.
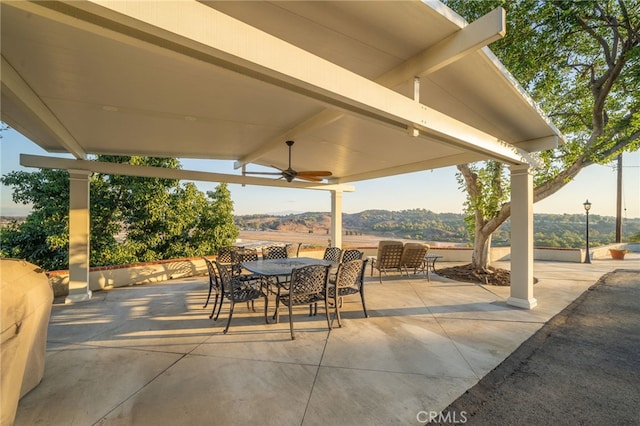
(388, 258)
(413, 256)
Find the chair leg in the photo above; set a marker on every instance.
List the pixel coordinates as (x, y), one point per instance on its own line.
(230, 315)
(266, 305)
(326, 311)
(276, 314)
(208, 296)
(219, 307)
(215, 305)
(364, 306)
(337, 308)
(293, 337)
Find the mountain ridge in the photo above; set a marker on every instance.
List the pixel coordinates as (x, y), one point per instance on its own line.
(550, 230)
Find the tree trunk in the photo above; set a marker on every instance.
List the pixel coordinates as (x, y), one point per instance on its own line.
(481, 249)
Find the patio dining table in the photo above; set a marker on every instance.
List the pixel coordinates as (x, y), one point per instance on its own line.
(280, 270)
(281, 267)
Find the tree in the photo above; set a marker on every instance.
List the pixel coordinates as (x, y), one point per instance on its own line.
(581, 61)
(133, 219)
(43, 239)
(216, 223)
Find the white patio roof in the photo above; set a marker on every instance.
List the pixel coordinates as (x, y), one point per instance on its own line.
(234, 80)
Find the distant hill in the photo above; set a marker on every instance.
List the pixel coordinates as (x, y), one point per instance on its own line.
(550, 230)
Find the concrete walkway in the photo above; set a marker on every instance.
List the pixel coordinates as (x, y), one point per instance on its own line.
(149, 355)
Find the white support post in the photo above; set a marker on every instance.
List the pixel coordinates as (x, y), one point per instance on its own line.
(78, 236)
(522, 238)
(336, 218)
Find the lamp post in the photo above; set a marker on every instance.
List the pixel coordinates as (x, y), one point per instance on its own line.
(587, 206)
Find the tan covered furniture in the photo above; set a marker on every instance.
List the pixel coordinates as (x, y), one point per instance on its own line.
(388, 257)
(25, 305)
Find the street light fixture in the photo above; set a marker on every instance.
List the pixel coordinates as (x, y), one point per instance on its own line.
(587, 207)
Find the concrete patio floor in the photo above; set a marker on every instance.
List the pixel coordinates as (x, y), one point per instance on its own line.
(150, 355)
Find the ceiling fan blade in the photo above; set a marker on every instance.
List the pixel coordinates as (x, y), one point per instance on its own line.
(315, 173)
(263, 173)
(309, 178)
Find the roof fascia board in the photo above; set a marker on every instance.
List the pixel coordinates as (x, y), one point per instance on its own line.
(14, 85)
(490, 57)
(194, 29)
(45, 162)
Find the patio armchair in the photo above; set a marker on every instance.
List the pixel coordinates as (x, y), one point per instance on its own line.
(349, 280)
(413, 257)
(237, 290)
(307, 287)
(215, 285)
(388, 257)
(246, 255)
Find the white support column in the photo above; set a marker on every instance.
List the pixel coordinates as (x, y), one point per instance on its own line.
(78, 236)
(336, 218)
(522, 238)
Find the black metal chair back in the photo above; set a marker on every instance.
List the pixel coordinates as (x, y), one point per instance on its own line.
(274, 252)
(333, 254)
(244, 255)
(225, 255)
(349, 255)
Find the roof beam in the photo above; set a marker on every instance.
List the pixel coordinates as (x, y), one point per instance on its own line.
(45, 162)
(468, 39)
(467, 157)
(540, 144)
(14, 85)
(480, 33)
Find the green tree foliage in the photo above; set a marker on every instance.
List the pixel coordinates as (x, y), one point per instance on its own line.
(43, 239)
(581, 61)
(133, 219)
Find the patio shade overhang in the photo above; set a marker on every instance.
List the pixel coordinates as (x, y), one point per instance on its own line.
(366, 89)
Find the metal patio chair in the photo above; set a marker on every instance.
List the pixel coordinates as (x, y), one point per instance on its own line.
(307, 287)
(237, 290)
(349, 280)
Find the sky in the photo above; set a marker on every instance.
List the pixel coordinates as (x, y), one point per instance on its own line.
(436, 190)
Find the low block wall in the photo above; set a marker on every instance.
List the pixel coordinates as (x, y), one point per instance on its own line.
(106, 277)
